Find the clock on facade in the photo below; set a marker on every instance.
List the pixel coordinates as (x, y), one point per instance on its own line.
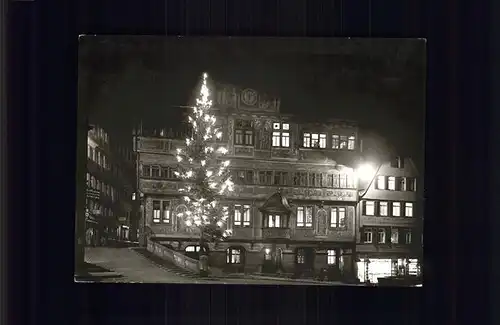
(249, 97)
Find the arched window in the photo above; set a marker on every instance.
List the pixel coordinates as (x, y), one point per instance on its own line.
(234, 255)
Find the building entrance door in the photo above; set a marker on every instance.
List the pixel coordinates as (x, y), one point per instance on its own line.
(269, 264)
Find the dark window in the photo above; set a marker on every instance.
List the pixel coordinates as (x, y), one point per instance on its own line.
(243, 134)
(411, 184)
(249, 177)
(269, 177)
(238, 137)
(146, 171)
(401, 184)
(155, 171)
(249, 138)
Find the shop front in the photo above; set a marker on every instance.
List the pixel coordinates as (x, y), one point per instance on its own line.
(371, 269)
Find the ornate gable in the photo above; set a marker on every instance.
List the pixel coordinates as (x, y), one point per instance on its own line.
(276, 203)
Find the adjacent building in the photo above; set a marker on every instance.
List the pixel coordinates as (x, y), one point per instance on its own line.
(111, 215)
(390, 218)
(295, 205)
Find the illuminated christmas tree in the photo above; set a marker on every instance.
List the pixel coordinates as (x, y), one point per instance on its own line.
(205, 173)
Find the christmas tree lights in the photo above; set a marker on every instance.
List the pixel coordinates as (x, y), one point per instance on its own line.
(205, 173)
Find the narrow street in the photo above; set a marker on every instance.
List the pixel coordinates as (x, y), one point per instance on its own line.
(135, 268)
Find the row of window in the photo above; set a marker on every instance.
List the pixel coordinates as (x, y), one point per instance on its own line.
(243, 135)
(392, 183)
(380, 233)
(242, 216)
(101, 186)
(100, 158)
(386, 209)
(247, 177)
(234, 255)
(96, 206)
(160, 172)
(305, 217)
(101, 135)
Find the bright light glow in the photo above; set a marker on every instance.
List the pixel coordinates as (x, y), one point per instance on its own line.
(365, 172)
(209, 173)
(203, 162)
(268, 251)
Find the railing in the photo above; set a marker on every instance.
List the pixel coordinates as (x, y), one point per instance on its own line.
(182, 261)
(276, 233)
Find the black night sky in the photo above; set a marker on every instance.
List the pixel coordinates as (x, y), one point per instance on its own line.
(378, 83)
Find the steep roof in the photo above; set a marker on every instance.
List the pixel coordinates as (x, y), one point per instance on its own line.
(276, 203)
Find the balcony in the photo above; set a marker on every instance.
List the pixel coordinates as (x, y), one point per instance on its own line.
(276, 233)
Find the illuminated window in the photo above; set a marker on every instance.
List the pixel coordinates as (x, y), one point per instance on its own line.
(350, 181)
(89, 151)
(391, 183)
(246, 215)
(408, 209)
(307, 140)
(343, 142)
(276, 139)
(192, 248)
(383, 209)
(300, 216)
(330, 259)
(394, 236)
(237, 215)
(396, 209)
(233, 255)
(351, 144)
(304, 216)
(335, 141)
(381, 236)
(408, 236)
(337, 217)
(369, 208)
(309, 216)
(367, 235)
(273, 221)
(156, 211)
(300, 256)
(333, 217)
(166, 211)
(281, 136)
(381, 182)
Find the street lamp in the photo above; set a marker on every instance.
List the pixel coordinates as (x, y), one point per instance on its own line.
(365, 172)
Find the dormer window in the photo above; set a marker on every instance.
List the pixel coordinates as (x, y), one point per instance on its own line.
(281, 135)
(274, 221)
(314, 140)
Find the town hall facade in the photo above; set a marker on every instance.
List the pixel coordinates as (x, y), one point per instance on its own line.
(295, 204)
